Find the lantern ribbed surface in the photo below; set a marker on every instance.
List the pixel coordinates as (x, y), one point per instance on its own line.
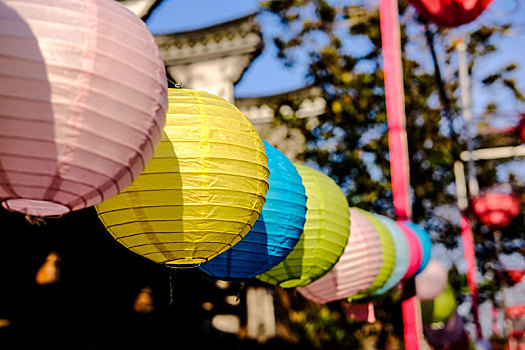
(431, 281)
(415, 250)
(424, 241)
(388, 252)
(275, 233)
(325, 234)
(357, 268)
(401, 254)
(202, 191)
(83, 103)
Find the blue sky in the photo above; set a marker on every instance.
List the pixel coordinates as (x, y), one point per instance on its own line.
(267, 75)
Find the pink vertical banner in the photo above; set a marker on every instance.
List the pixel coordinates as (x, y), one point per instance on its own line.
(397, 142)
(470, 259)
(395, 109)
(411, 323)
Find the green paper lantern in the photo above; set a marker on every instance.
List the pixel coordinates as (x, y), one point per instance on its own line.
(324, 238)
(440, 309)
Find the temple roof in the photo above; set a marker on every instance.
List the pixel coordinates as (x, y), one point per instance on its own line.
(238, 36)
(142, 8)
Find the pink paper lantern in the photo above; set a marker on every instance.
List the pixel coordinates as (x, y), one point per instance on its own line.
(356, 269)
(496, 210)
(431, 281)
(415, 251)
(450, 13)
(83, 98)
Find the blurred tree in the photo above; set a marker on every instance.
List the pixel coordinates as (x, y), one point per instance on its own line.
(340, 42)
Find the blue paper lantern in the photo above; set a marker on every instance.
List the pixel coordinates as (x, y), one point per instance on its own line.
(274, 234)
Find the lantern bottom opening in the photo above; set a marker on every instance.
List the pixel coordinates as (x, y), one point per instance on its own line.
(35, 207)
(185, 263)
(293, 283)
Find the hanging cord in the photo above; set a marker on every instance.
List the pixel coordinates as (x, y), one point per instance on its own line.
(439, 81)
(172, 285)
(35, 220)
(175, 85)
(243, 284)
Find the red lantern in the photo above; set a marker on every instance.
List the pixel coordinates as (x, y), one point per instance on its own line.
(522, 127)
(450, 13)
(496, 210)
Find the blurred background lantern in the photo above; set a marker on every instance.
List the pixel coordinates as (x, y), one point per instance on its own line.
(388, 254)
(144, 301)
(440, 309)
(448, 335)
(324, 238)
(496, 210)
(424, 241)
(83, 103)
(402, 254)
(450, 13)
(522, 127)
(357, 268)
(202, 191)
(431, 281)
(49, 272)
(275, 233)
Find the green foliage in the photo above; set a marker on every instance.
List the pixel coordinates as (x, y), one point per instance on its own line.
(350, 142)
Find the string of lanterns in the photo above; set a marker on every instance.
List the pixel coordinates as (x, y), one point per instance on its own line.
(178, 176)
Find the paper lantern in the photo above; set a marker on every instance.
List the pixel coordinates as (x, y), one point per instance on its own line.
(324, 238)
(357, 268)
(431, 281)
(202, 191)
(439, 309)
(426, 245)
(402, 254)
(450, 13)
(522, 128)
(445, 336)
(49, 272)
(83, 103)
(423, 240)
(275, 233)
(496, 210)
(388, 255)
(415, 251)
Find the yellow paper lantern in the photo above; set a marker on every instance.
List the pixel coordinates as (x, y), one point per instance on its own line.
(202, 191)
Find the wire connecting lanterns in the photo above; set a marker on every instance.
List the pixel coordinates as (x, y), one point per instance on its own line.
(325, 235)
(275, 233)
(202, 191)
(83, 103)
